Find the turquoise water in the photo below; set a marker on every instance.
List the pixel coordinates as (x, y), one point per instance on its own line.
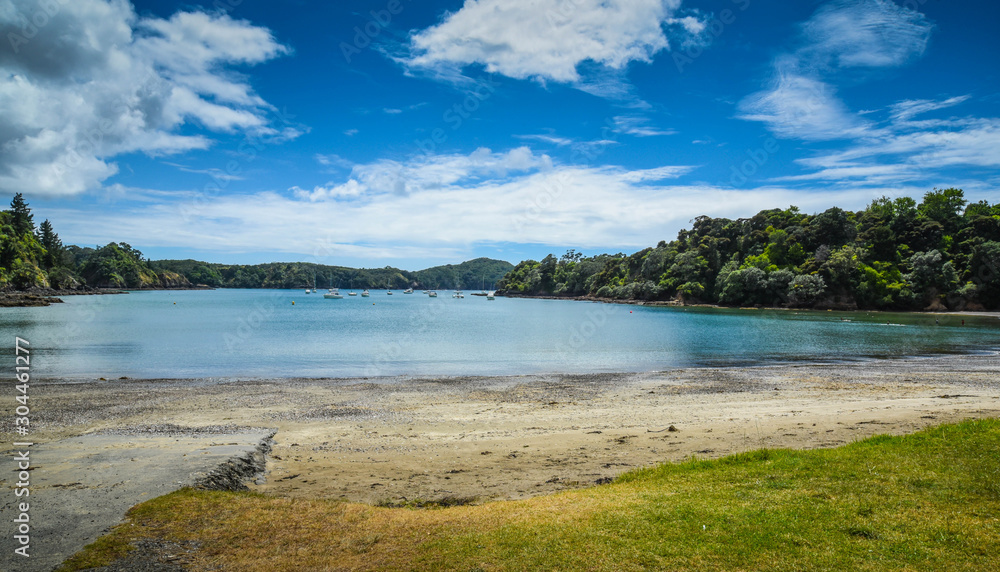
(260, 333)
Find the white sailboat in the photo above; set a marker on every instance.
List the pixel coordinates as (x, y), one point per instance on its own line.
(432, 294)
(365, 294)
(491, 295)
(333, 294)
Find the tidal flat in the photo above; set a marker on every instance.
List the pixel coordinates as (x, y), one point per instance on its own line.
(400, 441)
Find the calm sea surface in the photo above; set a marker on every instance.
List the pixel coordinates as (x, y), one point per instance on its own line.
(261, 333)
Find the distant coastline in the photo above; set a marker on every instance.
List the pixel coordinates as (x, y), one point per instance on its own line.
(681, 304)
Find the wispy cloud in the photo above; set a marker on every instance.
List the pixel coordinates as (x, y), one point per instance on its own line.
(799, 100)
(907, 110)
(870, 33)
(214, 172)
(638, 126)
(798, 106)
(550, 139)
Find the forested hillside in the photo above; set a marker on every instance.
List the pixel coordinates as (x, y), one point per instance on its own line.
(897, 254)
(35, 258)
(467, 275)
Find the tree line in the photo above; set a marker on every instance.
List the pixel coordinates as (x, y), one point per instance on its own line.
(35, 258)
(471, 274)
(896, 254)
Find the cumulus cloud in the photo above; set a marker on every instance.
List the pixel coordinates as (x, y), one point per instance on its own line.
(493, 198)
(547, 39)
(96, 81)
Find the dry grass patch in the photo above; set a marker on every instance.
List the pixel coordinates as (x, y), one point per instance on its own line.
(928, 501)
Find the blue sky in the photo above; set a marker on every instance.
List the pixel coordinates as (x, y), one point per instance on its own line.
(407, 133)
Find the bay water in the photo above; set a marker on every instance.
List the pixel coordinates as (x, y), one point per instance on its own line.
(231, 334)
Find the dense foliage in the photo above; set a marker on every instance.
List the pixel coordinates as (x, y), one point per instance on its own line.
(24, 258)
(894, 255)
(36, 258)
(471, 274)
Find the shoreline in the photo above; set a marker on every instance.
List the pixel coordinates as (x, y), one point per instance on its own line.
(677, 304)
(38, 298)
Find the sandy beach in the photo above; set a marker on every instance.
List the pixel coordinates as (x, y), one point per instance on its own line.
(394, 441)
(399, 439)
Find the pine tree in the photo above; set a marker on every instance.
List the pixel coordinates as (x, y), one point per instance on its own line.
(53, 246)
(21, 222)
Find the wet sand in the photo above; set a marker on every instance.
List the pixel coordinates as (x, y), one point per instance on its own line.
(397, 440)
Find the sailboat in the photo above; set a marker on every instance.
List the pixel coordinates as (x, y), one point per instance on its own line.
(333, 294)
(408, 291)
(364, 293)
(491, 295)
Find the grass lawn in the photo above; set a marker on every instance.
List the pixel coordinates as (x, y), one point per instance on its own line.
(927, 501)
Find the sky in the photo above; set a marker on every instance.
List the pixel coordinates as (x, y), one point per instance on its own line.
(415, 133)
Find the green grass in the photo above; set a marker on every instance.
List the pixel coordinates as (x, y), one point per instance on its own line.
(927, 501)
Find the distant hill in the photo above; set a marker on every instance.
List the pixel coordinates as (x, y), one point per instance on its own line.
(467, 275)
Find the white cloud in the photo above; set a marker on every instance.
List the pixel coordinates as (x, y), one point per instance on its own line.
(551, 139)
(425, 173)
(452, 204)
(656, 174)
(638, 126)
(546, 39)
(797, 106)
(588, 207)
(907, 110)
(872, 33)
(800, 102)
(97, 80)
(900, 154)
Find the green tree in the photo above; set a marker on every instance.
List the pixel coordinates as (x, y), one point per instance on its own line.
(53, 246)
(931, 276)
(21, 216)
(805, 289)
(945, 207)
